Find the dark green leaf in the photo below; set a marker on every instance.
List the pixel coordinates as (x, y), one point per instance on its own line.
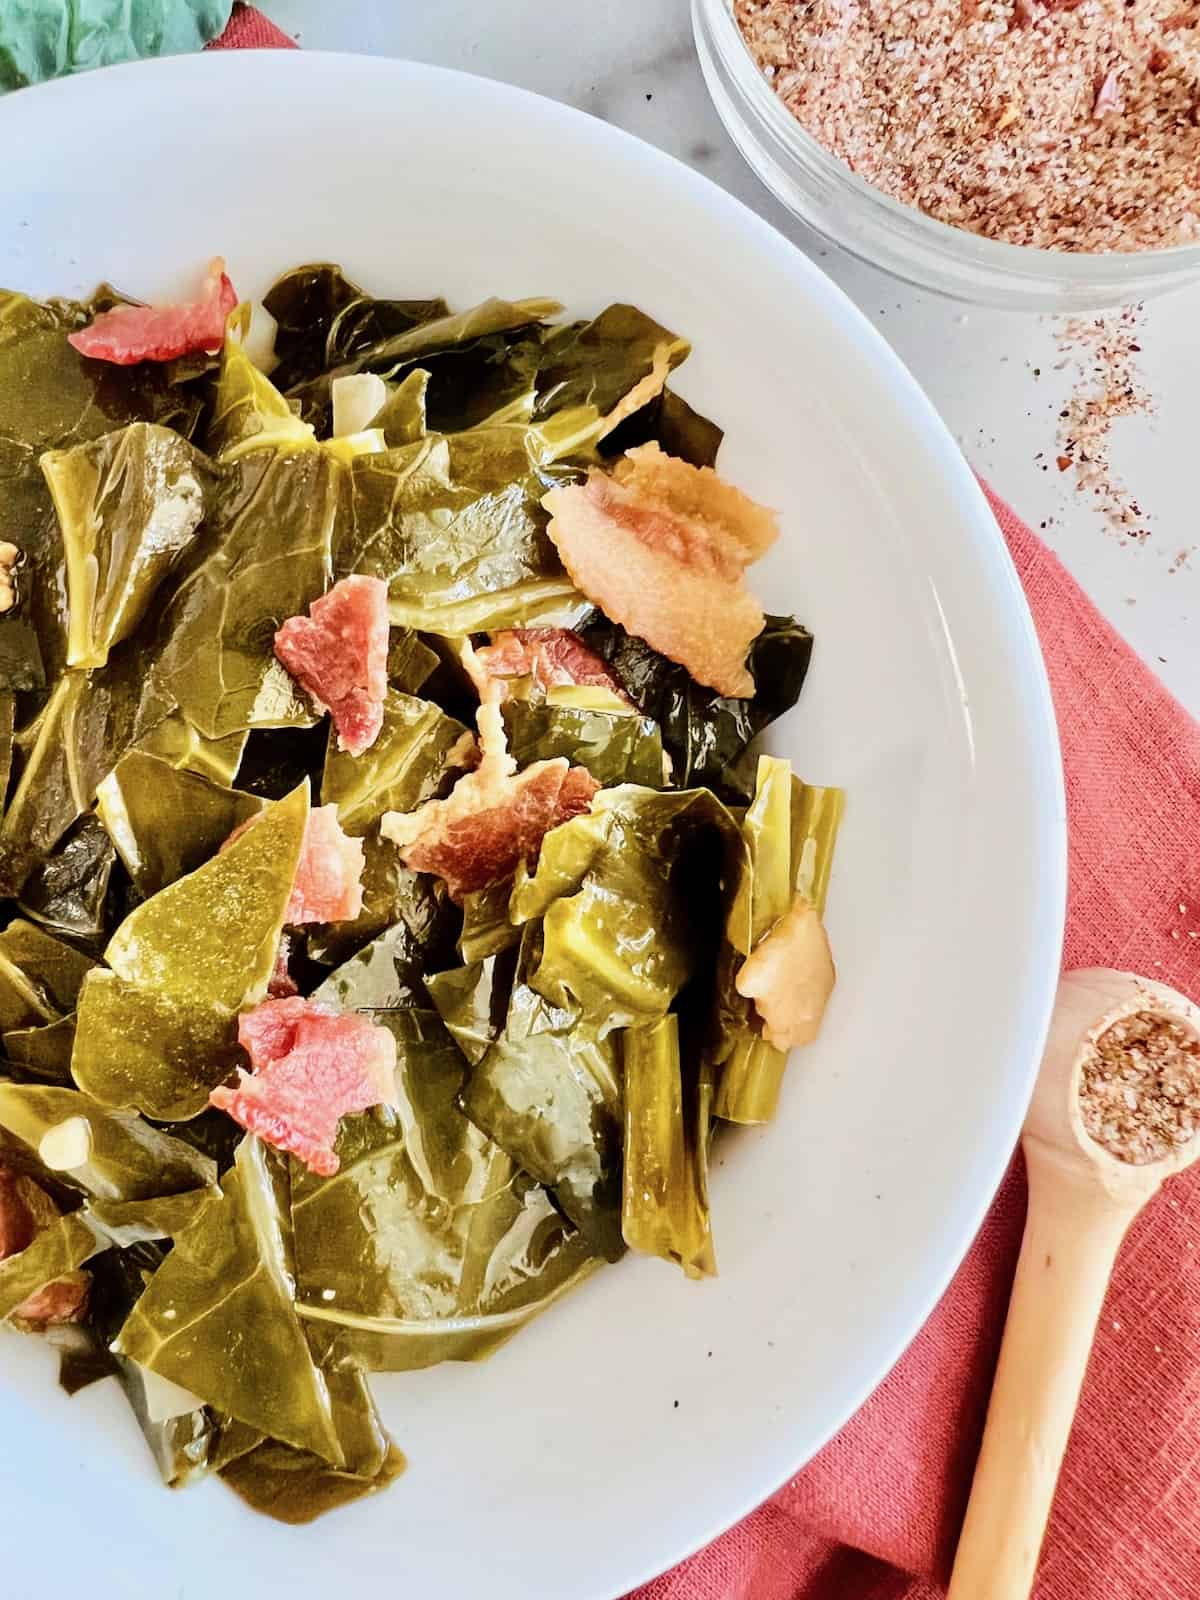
(126, 1158)
(324, 319)
(249, 413)
(44, 1051)
(418, 755)
(606, 369)
(615, 747)
(51, 398)
(68, 890)
(174, 740)
(632, 900)
(473, 1001)
(270, 525)
(128, 505)
(229, 1273)
(671, 423)
(665, 1208)
(40, 976)
(384, 976)
(59, 1250)
(790, 830)
(706, 735)
(428, 1244)
(157, 1031)
(411, 663)
(487, 928)
(392, 894)
(164, 821)
(88, 723)
(548, 1092)
(449, 518)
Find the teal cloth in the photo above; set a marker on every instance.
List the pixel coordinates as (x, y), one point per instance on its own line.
(42, 39)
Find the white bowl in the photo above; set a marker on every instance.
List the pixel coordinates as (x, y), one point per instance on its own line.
(644, 1414)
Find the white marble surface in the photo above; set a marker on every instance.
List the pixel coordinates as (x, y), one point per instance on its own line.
(633, 63)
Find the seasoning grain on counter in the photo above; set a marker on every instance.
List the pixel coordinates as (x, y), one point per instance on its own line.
(1068, 126)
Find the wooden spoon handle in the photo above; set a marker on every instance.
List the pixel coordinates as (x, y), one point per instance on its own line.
(1072, 1234)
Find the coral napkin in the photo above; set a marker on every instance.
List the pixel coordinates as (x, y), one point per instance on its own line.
(884, 1499)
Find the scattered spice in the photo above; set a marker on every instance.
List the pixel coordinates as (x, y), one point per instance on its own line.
(1069, 127)
(1139, 1091)
(1108, 385)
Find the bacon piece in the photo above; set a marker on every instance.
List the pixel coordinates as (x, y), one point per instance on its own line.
(338, 653)
(328, 882)
(790, 975)
(311, 1066)
(493, 818)
(25, 1209)
(552, 657)
(661, 547)
(128, 334)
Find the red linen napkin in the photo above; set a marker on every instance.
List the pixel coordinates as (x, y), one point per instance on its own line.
(884, 1499)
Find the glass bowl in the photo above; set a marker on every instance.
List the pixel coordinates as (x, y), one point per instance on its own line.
(820, 190)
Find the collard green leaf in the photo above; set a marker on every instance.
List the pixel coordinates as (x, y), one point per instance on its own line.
(487, 928)
(126, 1159)
(609, 368)
(449, 518)
(615, 747)
(44, 1051)
(295, 1486)
(324, 319)
(40, 976)
(392, 894)
(548, 1092)
(670, 422)
(790, 831)
(632, 900)
(89, 721)
(434, 1245)
(413, 344)
(51, 398)
(44, 40)
(229, 1273)
(165, 821)
(60, 1249)
(707, 735)
(125, 1223)
(250, 414)
(384, 976)
(68, 890)
(665, 1206)
(417, 757)
(156, 1032)
(270, 524)
(411, 663)
(158, 1052)
(473, 1001)
(402, 418)
(128, 505)
(175, 741)
(540, 602)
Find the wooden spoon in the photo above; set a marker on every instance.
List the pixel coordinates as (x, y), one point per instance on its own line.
(1081, 1202)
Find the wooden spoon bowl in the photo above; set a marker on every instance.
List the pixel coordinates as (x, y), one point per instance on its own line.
(1082, 1200)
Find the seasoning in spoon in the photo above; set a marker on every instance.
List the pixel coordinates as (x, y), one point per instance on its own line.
(1139, 1090)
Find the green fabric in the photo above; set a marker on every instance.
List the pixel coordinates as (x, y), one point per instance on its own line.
(42, 39)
